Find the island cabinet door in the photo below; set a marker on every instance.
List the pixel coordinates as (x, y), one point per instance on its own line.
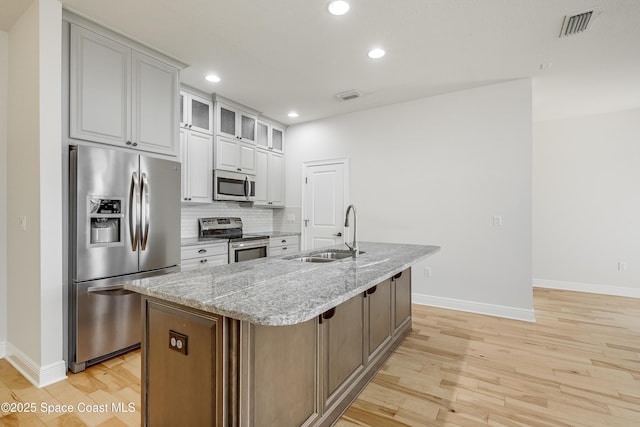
(379, 318)
(279, 375)
(182, 367)
(342, 343)
(401, 290)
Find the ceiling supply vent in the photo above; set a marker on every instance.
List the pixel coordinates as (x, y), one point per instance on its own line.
(350, 94)
(576, 24)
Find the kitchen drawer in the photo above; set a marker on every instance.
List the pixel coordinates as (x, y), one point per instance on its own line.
(199, 251)
(203, 262)
(282, 250)
(290, 241)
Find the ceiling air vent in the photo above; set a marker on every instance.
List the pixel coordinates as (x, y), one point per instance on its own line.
(576, 24)
(350, 94)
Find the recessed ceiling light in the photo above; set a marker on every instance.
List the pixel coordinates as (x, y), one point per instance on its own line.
(293, 114)
(338, 7)
(376, 53)
(212, 78)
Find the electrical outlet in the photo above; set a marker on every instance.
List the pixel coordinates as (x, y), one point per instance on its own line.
(497, 220)
(622, 266)
(427, 272)
(178, 342)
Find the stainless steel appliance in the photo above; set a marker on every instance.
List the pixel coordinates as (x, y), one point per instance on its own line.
(124, 224)
(233, 186)
(242, 247)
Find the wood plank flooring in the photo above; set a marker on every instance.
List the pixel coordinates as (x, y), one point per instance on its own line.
(578, 365)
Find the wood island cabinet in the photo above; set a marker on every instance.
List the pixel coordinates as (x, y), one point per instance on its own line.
(236, 373)
(342, 332)
(183, 373)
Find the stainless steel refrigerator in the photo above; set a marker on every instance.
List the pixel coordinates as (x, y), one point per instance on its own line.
(124, 224)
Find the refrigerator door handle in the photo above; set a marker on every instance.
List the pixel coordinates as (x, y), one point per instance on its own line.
(133, 212)
(144, 210)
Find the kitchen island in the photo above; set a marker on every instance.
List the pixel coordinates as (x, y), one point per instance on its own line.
(272, 341)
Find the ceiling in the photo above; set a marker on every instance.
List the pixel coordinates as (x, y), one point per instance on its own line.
(281, 55)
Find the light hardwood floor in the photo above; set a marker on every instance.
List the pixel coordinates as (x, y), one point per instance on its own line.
(578, 365)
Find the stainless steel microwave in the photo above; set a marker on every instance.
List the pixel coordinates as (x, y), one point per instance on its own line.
(233, 186)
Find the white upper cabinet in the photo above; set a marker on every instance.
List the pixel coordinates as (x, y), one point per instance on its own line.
(196, 113)
(196, 155)
(120, 96)
(277, 139)
(270, 137)
(235, 155)
(235, 123)
(269, 178)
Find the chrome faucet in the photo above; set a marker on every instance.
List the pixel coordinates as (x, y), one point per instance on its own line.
(354, 246)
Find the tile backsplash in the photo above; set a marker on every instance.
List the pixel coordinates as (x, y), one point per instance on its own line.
(253, 219)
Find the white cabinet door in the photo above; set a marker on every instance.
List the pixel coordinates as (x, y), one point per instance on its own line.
(184, 172)
(235, 123)
(197, 158)
(262, 177)
(276, 179)
(196, 113)
(235, 155)
(269, 178)
(99, 88)
(262, 137)
(247, 157)
(200, 170)
(155, 105)
(120, 96)
(227, 154)
(277, 139)
(247, 129)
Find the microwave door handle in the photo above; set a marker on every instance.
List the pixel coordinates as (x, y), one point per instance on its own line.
(144, 211)
(247, 187)
(133, 211)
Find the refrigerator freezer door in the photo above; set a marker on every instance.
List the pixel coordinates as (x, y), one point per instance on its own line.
(108, 319)
(159, 213)
(104, 196)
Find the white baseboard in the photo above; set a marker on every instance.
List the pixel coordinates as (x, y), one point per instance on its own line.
(39, 376)
(588, 287)
(3, 349)
(475, 307)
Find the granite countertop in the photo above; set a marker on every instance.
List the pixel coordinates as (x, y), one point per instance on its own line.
(281, 291)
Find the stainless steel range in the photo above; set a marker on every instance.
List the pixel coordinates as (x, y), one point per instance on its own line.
(242, 247)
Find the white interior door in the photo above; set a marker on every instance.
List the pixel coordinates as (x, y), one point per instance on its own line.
(326, 195)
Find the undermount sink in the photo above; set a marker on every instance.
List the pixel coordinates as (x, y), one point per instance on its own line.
(327, 256)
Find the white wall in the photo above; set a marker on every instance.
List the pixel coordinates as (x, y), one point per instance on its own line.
(586, 216)
(436, 171)
(34, 180)
(4, 58)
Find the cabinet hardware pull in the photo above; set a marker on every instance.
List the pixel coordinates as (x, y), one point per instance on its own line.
(328, 314)
(128, 142)
(135, 144)
(372, 290)
(397, 276)
(202, 251)
(239, 169)
(338, 234)
(284, 240)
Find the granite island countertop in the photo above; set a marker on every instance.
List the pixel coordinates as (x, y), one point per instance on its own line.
(279, 290)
